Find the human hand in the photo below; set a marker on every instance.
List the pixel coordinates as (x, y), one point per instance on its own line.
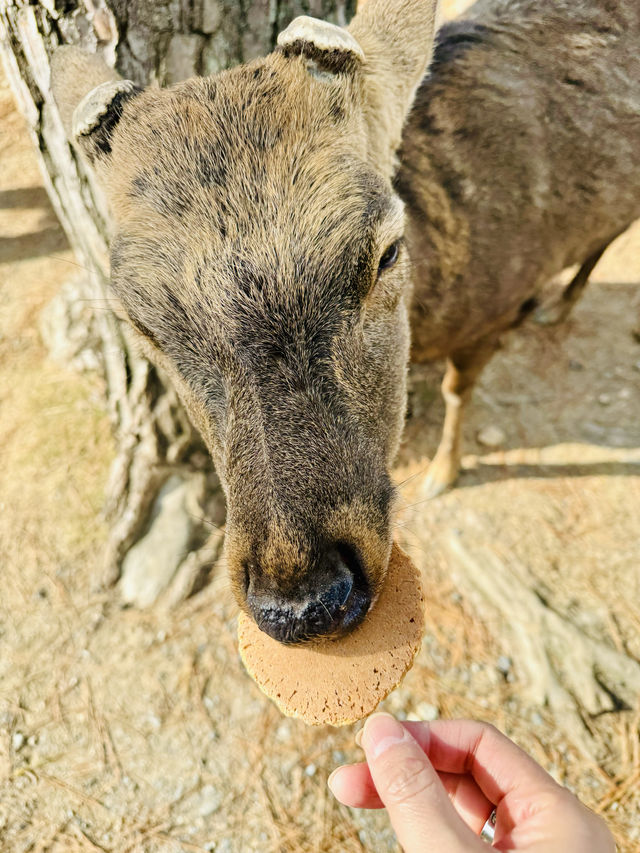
(441, 781)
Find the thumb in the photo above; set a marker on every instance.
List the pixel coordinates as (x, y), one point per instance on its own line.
(419, 809)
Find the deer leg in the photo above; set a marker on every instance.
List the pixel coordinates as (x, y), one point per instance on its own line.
(463, 368)
(559, 310)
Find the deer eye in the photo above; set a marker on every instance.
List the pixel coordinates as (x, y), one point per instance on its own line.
(389, 256)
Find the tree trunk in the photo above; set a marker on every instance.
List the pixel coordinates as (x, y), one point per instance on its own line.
(161, 41)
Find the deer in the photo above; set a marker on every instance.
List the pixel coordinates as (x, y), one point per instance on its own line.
(288, 232)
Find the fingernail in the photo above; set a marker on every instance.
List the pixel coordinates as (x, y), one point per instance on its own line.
(359, 736)
(331, 778)
(380, 732)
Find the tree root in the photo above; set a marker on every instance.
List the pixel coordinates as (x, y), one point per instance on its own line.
(577, 677)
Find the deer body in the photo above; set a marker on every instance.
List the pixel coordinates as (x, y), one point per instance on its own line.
(520, 158)
(262, 252)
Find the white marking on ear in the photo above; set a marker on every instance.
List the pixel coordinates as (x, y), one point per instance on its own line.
(324, 36)
(95, 104)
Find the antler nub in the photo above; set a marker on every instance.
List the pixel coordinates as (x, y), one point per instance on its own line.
(321, 35)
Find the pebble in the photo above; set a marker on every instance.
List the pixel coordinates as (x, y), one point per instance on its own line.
(310, 770)
(504, 664)
(536, 719)
(210, 801)
(604, 399)
(154, 721)
(492, 436)
(397, 702)
(151, 563)
(6, 718)
(17, 741)
(283, 732)
(427, 712)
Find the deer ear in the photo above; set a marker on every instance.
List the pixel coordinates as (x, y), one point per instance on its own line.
(328, 49)
(97, 115)
(396, 37)
(90, 97)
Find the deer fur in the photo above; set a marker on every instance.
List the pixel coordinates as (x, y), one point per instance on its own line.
(277, 224)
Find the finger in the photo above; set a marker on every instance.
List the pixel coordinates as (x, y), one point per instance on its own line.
(417, 803)
(498, 766)
(531, 807)
(467, 799)
(353, 786)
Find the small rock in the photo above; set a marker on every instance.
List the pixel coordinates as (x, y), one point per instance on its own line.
(624, 393)
(491, 436)
(604, 399)
(427, 712)
(6, 718)
(504, 664)
(154, 721)
(636, 366)
(397, 702)
(17, 741)
(310, 770)
(536, 719)
(210, 800)
(575, 365)
(283, 732)
(150, 565)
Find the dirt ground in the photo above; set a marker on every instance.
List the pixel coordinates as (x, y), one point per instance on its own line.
(139, 731)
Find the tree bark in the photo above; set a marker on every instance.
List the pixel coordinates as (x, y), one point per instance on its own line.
(148, 41)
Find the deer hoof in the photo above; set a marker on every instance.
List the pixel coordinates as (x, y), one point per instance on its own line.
(553, 313)
(441, 475)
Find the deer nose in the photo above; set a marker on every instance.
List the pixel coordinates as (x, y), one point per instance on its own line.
(332, 602)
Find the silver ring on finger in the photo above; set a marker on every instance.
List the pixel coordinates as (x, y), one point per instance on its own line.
(489, 829)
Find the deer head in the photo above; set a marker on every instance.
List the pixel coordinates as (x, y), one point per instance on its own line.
(258, 252)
